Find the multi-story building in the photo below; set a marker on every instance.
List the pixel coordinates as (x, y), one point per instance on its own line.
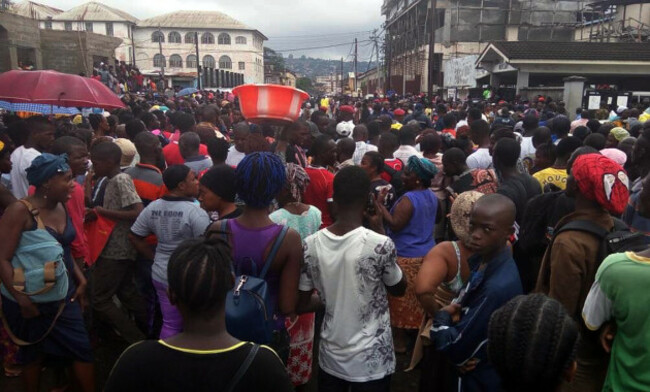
(224, 45)
(98, 18)
(464, 28)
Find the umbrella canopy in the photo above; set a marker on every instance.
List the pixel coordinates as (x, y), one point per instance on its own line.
(55, 88)
(187, 91)
(38, 108)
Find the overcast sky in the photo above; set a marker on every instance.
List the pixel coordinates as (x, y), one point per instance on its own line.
(289, 24)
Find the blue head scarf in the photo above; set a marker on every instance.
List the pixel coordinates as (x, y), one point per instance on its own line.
(422, 167)
(46, 166)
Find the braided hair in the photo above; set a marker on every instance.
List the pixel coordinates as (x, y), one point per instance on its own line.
(199, 274)
(532, 341)
(260, 177)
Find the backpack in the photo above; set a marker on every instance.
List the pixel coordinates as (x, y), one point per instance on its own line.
(249, 309)
(619, 239)
(38, 267)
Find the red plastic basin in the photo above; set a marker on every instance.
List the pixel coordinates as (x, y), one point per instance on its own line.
(270, 101)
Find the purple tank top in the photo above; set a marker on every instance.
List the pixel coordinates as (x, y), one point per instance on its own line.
(249, 254)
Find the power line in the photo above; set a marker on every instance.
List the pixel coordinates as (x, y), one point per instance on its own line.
(315, 47)
(321, 35)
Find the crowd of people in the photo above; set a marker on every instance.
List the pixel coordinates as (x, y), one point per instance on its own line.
(503, 246)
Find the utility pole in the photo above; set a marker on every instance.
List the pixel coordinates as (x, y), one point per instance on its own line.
(389, 52)
(355, 64)
(432, 43)
(198, 66)
(162, 67)
(342, 89)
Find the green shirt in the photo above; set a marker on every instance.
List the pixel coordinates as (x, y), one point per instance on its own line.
(620, 293)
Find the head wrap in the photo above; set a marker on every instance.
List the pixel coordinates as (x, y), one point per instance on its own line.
(602, 180)
(460, 213)
(297, 180)
(422, 167)
(615, 155)
(347, 109)
(46, 166)
(619, 133)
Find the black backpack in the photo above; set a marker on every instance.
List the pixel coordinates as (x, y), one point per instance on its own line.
(619, 239)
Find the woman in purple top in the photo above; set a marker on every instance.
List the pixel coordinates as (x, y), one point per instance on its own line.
(259, 178)
(410, 224)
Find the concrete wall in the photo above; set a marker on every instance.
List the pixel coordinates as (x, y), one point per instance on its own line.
(75, 51)
(122, 30)
(19, 41)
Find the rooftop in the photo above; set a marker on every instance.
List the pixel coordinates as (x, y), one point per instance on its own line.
(194, 20)
(569, 51)
(93, 11)
(30, 9)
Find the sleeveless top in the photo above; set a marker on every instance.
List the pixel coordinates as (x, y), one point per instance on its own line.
(249, 247)
(457, 282)
(416, 238)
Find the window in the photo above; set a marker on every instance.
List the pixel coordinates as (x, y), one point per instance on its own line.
(225, 62)
(207, 38)
(89, 27)
(158, 60)
(240, 40)
(208, 61)
(189, 38)
(48, 23)
(190, 61)
(174, 38)
(242, 65)
(157, 36)
(109, 29)
(175, 61)
(224, 39)
(68, 26)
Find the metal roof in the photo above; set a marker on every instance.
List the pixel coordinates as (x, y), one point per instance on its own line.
(93, 11)
(32, 10)
(194, 20)
(571, 51)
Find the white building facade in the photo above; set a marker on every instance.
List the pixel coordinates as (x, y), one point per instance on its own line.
(168, 41)
(99, 19)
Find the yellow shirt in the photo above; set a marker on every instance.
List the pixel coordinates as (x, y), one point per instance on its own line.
(553, 176)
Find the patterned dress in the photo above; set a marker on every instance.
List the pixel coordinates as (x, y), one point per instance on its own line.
(301, 329)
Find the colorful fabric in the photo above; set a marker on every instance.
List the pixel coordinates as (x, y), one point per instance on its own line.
(297, 180)
(422, 167)
(602, 180)
(620, 294)
(619, 133)
(406, 311)
(45, 166)
(460, 213)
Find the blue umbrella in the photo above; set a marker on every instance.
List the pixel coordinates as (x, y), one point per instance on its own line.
(187, 91)
(38, 108)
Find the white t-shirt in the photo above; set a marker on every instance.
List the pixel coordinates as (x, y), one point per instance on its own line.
(461, 123)
(527, 148)
(21, 159)
(234, 156)
(480, 159)
(403, 153)
(360, 150)
(351, 273)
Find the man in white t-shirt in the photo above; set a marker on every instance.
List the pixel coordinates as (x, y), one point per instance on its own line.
(480, 134)
(352, 269)
(360, 136)
(237, 151)
(407, 144)
(40, 136)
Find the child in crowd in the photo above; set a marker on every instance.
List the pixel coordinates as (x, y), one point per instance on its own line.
(173, 218)
(532, 344)
(113, 272)
(460, 329)
(352, 269)
(204, 357)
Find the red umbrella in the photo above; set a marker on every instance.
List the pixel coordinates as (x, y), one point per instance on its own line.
(55, 88)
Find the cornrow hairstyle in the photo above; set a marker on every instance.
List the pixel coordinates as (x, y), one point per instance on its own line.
(532, 341)
(260, 177)
(199, 274)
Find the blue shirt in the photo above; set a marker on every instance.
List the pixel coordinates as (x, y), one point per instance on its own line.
(485, 292)
(416, 239)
